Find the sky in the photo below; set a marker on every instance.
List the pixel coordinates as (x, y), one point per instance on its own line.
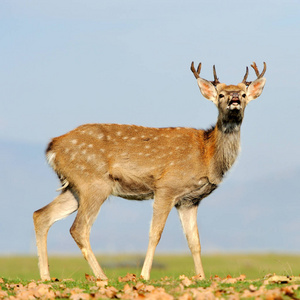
(66, 63)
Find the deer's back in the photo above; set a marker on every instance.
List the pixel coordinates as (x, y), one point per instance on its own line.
(136, 160)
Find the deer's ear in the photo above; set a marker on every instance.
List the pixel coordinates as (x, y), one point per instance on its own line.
(255, 89)
(208, 90)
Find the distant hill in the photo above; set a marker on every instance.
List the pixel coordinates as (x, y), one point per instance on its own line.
(260, 215)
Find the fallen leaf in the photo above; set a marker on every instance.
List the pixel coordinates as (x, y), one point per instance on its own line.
(197, 277)
(252, 288)
(280, 279)
(186, 296)
(111, 292)
(289, 290)
(274, 294)
(127, 289)
(3, 294)
(80, 296)
(159, 294)
(215, 278)
(90, 278)
(185, 281)
(101, 283)
(128, 277)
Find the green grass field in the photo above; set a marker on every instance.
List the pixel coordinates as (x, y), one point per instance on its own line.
(253, 266)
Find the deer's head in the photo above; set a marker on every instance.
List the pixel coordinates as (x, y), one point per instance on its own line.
(231, 100)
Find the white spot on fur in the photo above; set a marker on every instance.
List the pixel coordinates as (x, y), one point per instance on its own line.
(83, 151)
(90, 145)
(147, 146)
(81, 167)
(155, 138)
(91, 157)
(100, 136)
(102, 150)
(74, 142)
(119, 133)
(125, 138)
(133, 138)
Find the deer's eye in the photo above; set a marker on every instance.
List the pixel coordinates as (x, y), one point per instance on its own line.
(221, 96)
(244, 95)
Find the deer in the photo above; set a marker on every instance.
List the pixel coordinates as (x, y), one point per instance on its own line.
(175, 166)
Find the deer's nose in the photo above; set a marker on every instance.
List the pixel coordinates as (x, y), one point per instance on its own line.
(235, 96)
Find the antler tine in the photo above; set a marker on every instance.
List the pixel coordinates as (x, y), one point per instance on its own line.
(196, 73)
(263, 71)
(254, 66)
(199, 68)
(245, 77)
(259, 75)
(216, 80)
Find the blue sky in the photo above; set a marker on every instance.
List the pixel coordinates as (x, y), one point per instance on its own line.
(65, 63)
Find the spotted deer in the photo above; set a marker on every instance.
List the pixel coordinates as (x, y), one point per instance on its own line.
(175, 166)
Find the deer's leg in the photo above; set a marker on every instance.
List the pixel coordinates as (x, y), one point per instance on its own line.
(89, 207)
(161, 210)
(62, 206)
(188, 218)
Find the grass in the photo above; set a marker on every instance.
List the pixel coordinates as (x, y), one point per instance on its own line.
(253, 266)
(171, 278)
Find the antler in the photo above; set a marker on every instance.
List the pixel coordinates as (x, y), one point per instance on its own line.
(197, 73)
(259, 75)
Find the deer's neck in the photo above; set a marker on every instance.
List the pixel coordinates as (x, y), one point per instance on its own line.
(225, 142)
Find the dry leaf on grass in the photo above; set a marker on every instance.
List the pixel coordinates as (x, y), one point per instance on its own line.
(111, 292)
(101, 283)
(232, 280)
(282, 279)
(185, 281)
(159, 294)
(197, 277)
(128, 277)
(90, 278)
(80, 296)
